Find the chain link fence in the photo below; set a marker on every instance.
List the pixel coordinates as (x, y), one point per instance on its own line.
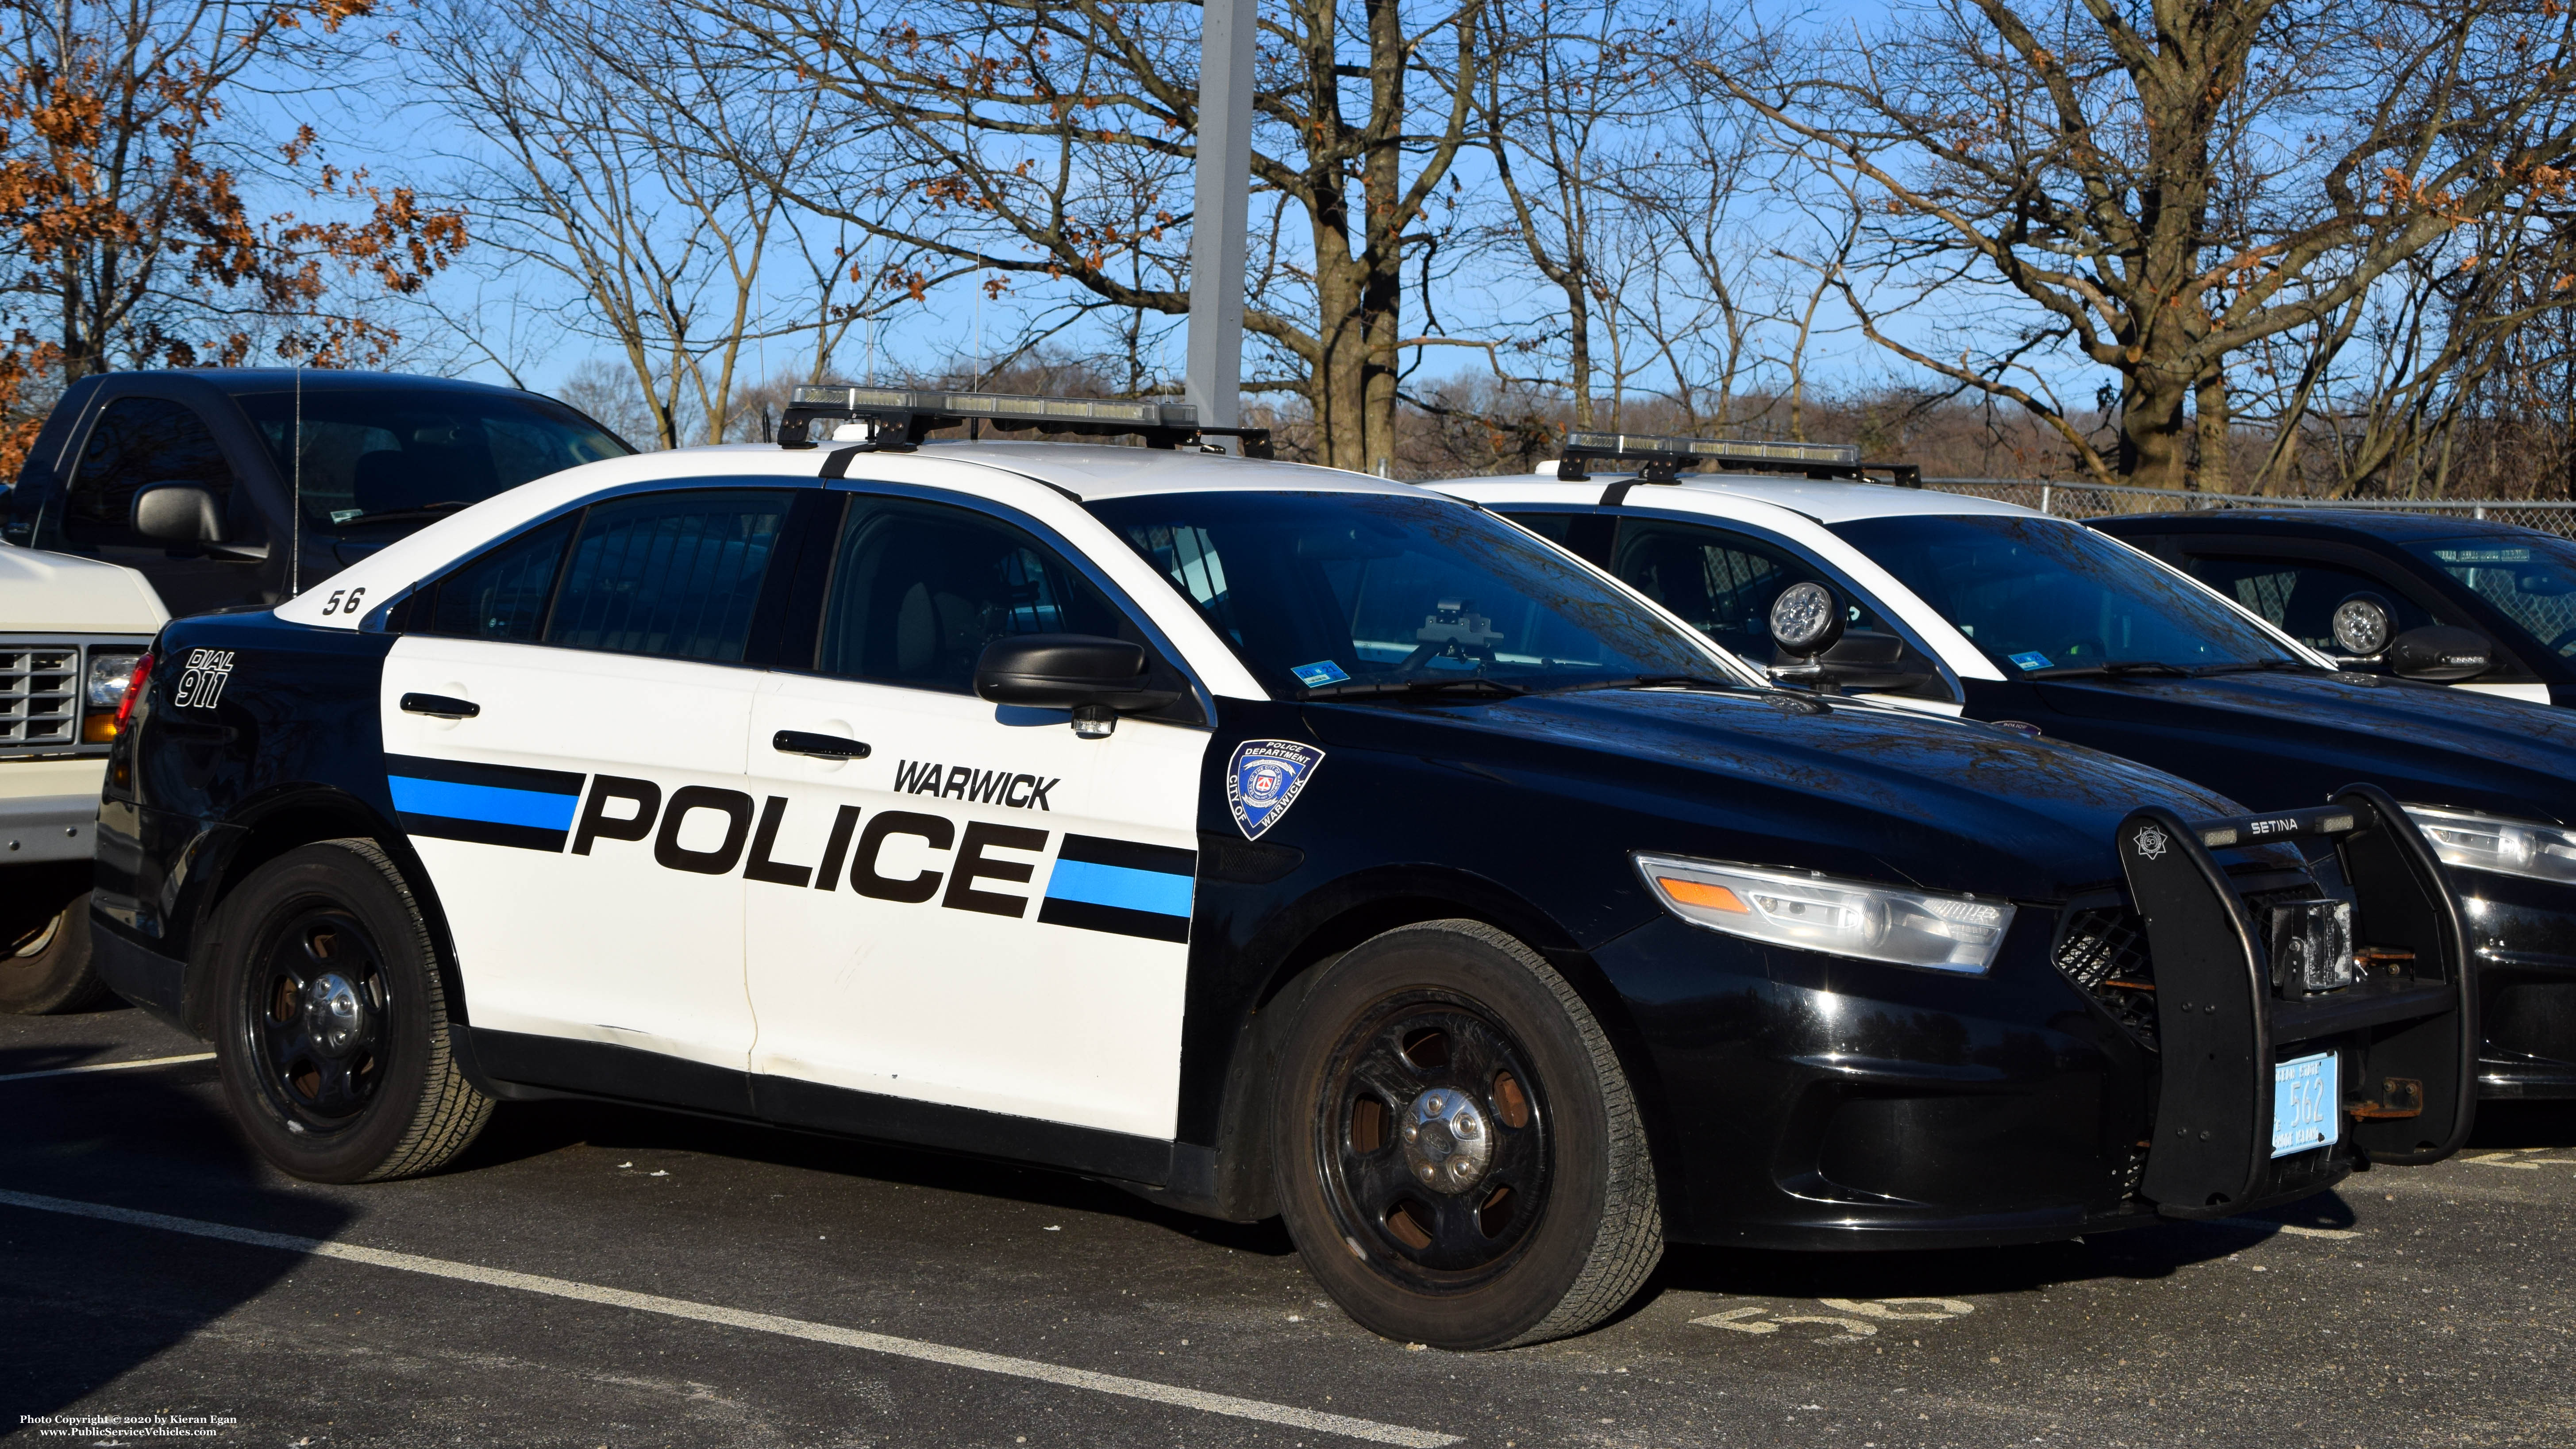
(2096, 500)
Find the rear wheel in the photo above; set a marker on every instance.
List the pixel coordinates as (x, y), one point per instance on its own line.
(331, 1023)
(1460, 1157)
(45, 963)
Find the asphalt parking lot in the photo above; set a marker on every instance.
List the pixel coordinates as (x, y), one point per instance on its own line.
(595, 1276)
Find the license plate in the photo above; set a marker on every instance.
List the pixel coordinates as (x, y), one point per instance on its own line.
(2307, 1100)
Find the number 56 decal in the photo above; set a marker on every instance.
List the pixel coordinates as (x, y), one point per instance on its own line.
(344, 601)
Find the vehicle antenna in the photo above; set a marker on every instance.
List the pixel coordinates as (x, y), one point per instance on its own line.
(295, 530)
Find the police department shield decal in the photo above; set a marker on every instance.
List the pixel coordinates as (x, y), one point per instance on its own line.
(1265, 780)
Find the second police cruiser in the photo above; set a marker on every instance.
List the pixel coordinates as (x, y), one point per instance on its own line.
(1965, 605)
(1270, 839)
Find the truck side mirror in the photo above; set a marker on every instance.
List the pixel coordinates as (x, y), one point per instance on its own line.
(1094, 677)
(2440, 653)
(177, 513)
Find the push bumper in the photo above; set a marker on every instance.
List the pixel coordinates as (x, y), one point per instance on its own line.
(2403, 1038)
(1814, 1102)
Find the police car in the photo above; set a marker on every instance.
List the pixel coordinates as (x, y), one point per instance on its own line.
(1973, 607)
(1265, 838)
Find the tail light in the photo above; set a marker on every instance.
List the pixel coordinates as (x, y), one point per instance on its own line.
(133, 691)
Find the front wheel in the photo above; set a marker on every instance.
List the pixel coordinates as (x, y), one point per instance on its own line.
(1461, 1161)
(331, 1023)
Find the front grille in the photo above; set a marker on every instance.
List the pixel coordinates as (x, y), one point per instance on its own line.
(2104, 951)
(39, 696)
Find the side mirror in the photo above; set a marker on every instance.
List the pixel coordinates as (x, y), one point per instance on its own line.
(1096, 678)
(2440, 653)
(1872, 661)
(2361, 625)
(177, 513)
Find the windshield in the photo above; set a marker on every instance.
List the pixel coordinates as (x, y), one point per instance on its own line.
(2037, 593)
(1336, 592)
(2530, 581)
(391, 460)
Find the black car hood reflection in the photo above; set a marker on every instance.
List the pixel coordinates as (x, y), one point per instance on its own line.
(1853, 790)
(2258, 735)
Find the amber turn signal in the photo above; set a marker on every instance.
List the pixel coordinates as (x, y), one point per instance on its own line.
(1702, 894)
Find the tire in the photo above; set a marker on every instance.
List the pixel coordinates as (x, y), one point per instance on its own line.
(1463, 1036)
(49, 969)
(331, 1023)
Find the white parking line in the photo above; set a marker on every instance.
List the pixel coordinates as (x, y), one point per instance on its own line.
(992, 1363)
(109, 1067)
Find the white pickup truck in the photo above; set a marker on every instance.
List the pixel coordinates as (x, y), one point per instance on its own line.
(72, 631)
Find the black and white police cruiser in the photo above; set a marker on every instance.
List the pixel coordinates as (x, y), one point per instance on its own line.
(1975, 607)
(1265, 838)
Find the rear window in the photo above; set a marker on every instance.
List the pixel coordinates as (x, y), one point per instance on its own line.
(382, 462)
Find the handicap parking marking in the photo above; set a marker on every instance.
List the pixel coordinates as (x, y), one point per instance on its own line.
(1856, 1318)
(2295, 1230)
(2516, 1158)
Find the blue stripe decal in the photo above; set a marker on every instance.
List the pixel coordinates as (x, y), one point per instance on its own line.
(1116, 885)
(533, 808)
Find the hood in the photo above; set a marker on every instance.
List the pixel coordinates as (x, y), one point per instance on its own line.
(1853, 789)
(2290, 736)
(44, 592)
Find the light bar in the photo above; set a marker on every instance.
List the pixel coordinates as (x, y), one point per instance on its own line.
(905, 416)
(1000, 406)
(1713, 450)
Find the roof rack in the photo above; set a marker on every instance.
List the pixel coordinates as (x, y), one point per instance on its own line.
(901, 417)
(1661, 459)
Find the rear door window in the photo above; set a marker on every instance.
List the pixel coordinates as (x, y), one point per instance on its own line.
(674, 575)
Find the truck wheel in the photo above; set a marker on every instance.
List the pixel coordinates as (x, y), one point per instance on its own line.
(331, 1024)
(1460, 1159)
(49, 969)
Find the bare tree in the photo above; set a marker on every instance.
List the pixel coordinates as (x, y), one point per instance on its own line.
(2169, 182)
(638, 164)
(1053, 141)
(128, 233)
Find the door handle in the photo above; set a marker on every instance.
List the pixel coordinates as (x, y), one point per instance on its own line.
(440, 706)
(821, 747)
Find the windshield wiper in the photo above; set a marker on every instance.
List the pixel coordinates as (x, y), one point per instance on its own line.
(1658, 681)
(1386, 688)
(2113, 668)
(2251, 665)
(398, 515)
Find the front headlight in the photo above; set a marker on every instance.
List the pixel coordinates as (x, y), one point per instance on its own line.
(2489, 842)
(1841, 917)
(108, 672)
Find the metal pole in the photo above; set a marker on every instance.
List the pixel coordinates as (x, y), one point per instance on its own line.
(1214, 379)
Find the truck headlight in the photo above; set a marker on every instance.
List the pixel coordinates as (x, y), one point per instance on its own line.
(1841, 917)
(103, 690)
(104, 684)
(2490, 842)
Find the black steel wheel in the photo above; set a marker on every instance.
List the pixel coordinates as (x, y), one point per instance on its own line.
(315, 1023)
(1460, 1158)
(331, 1021)
(1438, 1152)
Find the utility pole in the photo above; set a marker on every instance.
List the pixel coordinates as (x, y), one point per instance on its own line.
(1214, 380)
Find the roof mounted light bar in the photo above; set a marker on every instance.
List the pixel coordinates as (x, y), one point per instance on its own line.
(1661, 459)
(902, 417)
